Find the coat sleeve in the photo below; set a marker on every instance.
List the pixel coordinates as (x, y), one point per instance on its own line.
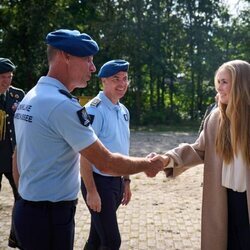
(186, 156)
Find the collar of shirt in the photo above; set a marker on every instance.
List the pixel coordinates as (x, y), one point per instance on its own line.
(52, 81)
(108, 103)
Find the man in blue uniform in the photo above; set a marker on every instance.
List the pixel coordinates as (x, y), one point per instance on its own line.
(51, 130)
(104, 193)
(9, 100)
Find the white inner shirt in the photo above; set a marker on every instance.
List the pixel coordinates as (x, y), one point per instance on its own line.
(234, 174)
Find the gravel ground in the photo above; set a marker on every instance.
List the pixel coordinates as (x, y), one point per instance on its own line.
(144, 142)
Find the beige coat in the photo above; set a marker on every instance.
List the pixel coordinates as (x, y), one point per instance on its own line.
(214, 202)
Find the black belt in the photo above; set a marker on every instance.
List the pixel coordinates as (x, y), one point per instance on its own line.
(105, 176)
(50, 203)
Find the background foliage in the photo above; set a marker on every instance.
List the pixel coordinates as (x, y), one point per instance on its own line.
(173, 46)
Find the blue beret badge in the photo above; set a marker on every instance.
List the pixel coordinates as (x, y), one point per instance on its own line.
(83, 117)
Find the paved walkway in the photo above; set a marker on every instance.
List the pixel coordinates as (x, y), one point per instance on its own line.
(164, 214)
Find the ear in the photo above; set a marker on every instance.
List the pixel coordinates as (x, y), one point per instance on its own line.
(104, 80)
(65, 56)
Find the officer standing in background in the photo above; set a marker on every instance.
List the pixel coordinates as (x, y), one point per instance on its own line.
(51, 130)
(104, 193)
(9, 100)
(209, 109)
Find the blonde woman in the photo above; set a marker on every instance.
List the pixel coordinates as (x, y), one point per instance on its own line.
(224, 148)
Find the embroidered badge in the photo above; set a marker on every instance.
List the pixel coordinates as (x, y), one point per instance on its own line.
(83, 117)
(91, 118)
(125, 117)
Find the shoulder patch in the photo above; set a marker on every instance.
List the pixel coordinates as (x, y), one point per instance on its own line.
(83, 117)
(95, 102)
(66, 93)
(91, 118)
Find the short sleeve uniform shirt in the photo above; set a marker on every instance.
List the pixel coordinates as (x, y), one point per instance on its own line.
(49, 136)
(110, 123)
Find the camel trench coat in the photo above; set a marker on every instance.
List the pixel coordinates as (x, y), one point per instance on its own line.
(214, 200)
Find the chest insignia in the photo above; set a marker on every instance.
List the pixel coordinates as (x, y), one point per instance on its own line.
(125, 117)
(14, 106)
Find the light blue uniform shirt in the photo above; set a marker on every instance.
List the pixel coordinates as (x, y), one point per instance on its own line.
(111, 124)
(49, 136)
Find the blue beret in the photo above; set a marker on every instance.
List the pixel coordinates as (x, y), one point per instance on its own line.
(6, 65)
(72, 42)
(111, 68)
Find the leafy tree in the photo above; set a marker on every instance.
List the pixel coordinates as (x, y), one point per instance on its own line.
(173, 46)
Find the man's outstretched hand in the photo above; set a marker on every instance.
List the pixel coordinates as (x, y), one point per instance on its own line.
(158, 163)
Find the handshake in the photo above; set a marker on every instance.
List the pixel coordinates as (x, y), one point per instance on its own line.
(158, 163)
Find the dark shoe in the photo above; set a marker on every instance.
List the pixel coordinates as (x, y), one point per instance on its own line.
(89, 246)
(13, 241)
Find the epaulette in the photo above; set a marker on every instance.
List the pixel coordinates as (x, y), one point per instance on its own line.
(66, 93)
(95, 102)
(15, 89)
(16, 92)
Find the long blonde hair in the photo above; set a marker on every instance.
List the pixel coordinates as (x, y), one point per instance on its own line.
(233, 135)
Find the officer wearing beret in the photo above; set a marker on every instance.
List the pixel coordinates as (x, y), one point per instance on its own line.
(51, 130)
(9, 100)
(104, 193)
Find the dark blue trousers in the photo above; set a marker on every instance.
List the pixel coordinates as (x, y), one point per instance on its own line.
(238, 221)
(45, 225)
(104, 230)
